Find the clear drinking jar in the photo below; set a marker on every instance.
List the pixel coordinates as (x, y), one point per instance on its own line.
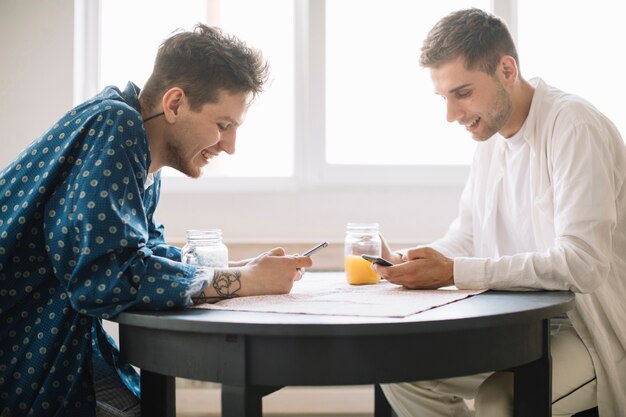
(361, 239)
(205, 248)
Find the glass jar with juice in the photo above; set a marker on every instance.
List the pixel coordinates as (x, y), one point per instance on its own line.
(361, 239)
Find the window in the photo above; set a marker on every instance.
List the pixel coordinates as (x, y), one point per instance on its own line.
(304, 131)
(131, 32)
(348, 102)
(577, 47)
(380, 106)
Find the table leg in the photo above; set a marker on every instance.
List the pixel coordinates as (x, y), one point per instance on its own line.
(158, 395)
(381, 405)
(244, 401)
(533, 383)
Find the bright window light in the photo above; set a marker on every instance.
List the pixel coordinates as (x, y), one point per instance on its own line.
(380, 105)
(581, 54)
(132, 31)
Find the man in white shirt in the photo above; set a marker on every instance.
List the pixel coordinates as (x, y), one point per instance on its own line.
(544, 208)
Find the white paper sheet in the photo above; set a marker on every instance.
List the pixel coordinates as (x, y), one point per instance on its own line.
(330, 294)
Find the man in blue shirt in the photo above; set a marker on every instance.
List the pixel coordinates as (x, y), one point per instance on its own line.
(78, 240)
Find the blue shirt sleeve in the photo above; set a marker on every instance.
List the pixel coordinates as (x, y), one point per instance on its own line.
(156, 240)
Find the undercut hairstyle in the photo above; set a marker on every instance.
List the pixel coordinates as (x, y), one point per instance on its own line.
(478, 37)
(204, 62)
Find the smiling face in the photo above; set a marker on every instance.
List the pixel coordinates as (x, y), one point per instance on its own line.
(473, 98)
(191, 138)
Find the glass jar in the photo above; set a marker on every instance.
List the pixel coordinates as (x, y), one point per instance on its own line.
(205, 248)
(361, 239)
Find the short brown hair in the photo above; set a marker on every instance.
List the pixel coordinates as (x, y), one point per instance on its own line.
(473, 34)
(203, 62)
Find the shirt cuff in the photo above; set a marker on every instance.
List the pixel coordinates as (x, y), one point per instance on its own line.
(469, 273)
(200, 281)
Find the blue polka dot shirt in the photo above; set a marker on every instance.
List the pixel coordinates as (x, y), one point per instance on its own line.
(78, 244)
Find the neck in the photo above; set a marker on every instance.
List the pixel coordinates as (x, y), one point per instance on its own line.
(521, 97)
(154, 125)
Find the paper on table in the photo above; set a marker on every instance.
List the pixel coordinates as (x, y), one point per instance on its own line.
(330, 294)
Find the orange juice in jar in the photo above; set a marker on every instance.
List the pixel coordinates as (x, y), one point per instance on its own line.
(359, 271)
(361, 239)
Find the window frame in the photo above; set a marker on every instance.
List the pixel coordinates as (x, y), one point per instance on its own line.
(310, 167)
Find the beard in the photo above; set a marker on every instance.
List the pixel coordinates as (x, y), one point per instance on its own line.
(499, 114)
(176, 160)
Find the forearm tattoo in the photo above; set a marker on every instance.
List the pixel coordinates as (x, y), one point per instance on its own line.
(226, 284)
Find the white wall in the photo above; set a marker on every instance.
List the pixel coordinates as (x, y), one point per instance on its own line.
(36, 70)
(36, 87)
(405, 214)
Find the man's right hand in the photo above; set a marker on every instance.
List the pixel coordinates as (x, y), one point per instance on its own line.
(272, 272)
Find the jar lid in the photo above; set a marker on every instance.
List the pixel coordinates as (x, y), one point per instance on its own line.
(362, 227)
(198, 235)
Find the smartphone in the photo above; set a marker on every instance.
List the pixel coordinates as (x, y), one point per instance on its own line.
(315, 249)
(377, 260)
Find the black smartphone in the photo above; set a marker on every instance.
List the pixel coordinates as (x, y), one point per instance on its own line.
(315, 249)
(377, 260)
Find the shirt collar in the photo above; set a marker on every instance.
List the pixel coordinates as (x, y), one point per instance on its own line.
(131, 95)
(149, 181)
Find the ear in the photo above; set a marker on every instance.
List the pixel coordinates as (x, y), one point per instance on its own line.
(172, 101)
(508, 69)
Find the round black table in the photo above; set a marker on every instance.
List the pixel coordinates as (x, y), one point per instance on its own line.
(254, 354)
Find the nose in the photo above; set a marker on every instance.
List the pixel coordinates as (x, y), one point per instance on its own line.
(453, 111)
(227, 143)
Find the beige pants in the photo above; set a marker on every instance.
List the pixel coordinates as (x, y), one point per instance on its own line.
(573, 386)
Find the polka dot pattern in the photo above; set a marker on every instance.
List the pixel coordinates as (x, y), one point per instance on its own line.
(79, 243)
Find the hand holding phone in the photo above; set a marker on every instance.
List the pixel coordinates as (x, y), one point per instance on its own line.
(377, 260)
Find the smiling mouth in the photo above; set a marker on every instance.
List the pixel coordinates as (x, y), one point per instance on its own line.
(473, 123)
(207, 155)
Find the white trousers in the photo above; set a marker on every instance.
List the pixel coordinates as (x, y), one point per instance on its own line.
(573, 386)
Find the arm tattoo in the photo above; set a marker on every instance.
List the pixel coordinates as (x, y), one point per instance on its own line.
(202, 299)
(227, 282)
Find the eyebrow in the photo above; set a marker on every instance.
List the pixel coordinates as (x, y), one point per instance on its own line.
(456, 89)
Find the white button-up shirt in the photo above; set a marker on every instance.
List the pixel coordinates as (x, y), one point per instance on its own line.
(577, 210)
